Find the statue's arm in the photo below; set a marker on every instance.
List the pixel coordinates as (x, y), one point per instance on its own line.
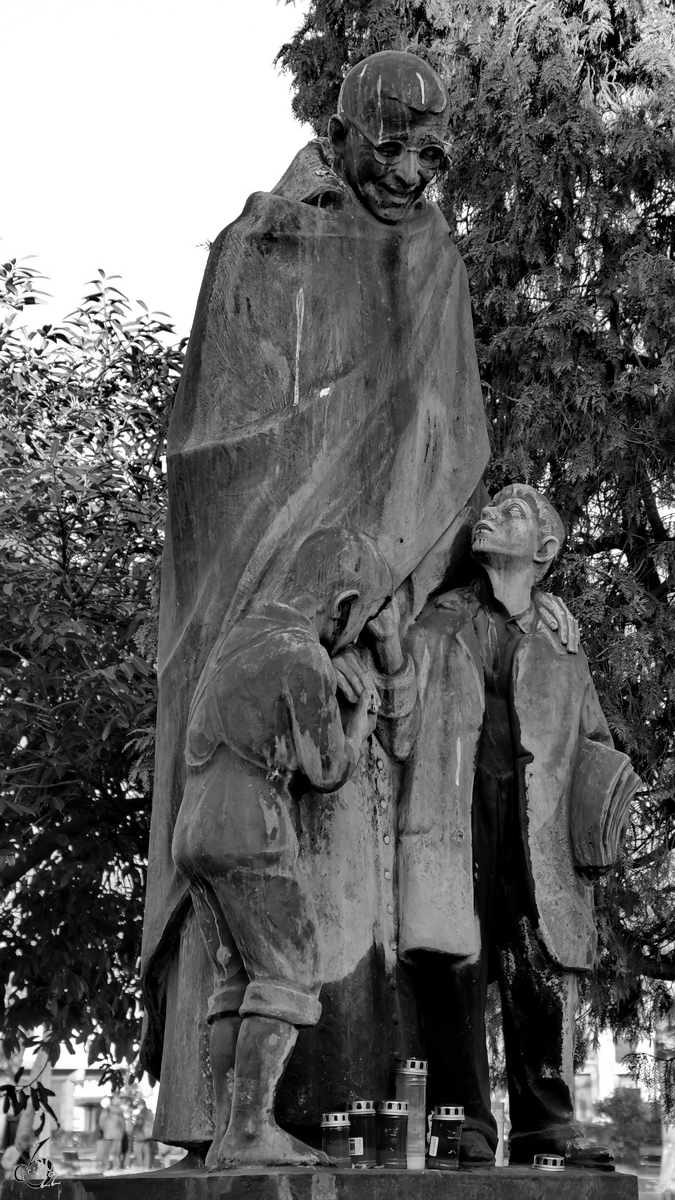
(398, 720)
(593, 723)
(603, 785)
(396, 681)
(327, 752)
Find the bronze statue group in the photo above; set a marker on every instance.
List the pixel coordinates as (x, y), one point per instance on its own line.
(335, 580)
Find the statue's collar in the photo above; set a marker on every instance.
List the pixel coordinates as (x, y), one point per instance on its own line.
(477, 597)
(311, 178)
(525, 621)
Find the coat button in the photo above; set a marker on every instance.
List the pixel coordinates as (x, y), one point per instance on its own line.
(458, 835)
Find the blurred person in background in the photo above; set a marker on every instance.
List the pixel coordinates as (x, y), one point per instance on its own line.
(144, 1147)
(113, 1130)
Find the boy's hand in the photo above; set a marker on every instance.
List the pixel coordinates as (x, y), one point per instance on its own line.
(362, 721)
(353, 676)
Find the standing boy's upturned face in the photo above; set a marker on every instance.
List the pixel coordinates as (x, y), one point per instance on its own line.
(509, 529)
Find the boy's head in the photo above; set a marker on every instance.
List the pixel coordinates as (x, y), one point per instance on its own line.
(519, 524)
(347, 577)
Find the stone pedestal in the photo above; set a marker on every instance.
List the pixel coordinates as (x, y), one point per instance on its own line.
(506, 1183)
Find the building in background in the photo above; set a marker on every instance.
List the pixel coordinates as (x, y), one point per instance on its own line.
(604, 1071)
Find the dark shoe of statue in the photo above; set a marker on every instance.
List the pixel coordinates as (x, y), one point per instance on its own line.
(577, 1151)
(474, 1150)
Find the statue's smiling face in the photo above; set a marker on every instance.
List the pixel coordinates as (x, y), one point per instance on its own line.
(509, 529)
(389, 189)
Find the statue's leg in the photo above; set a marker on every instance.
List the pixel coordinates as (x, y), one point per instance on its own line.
(453, 992)
(230, 982)
(267, 903)
(223, 1033)
(538, 1021)
(235, 844)
(494, 816)
(538, 1004)
(277, 935)
(264, 1047)
(452, 1003)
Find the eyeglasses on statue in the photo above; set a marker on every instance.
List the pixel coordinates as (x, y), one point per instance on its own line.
(392, 151)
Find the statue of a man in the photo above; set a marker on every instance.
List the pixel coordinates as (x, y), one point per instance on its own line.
(514, 799)
(331, 377)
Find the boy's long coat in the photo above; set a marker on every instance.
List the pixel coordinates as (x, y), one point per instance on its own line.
(556, 703)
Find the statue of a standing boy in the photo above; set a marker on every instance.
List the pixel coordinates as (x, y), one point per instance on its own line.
(515, 798)
(265, 720)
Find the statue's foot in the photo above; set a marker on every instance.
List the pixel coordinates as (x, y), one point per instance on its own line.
(222, 1124)
(267, 1146)
(474, 1150)
(577, 1151)
(212, 1156)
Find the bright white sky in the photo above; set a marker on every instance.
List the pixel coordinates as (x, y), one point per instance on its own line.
(133, 131)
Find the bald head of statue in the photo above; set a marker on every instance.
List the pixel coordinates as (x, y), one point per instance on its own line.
(388, 135)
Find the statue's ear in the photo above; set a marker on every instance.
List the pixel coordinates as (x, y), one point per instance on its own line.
(548, 548)
(337, 134)
(342, 607)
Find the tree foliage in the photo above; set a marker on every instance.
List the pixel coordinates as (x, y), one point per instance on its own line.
(560, 195)
(634, 1122)
(84, 410)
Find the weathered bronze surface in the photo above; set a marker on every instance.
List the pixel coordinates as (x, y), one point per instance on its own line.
(365, 807)
(331, 377)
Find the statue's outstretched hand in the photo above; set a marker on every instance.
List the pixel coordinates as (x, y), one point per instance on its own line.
(555, 613)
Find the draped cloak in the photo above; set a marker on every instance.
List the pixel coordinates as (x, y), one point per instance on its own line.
(330, 377)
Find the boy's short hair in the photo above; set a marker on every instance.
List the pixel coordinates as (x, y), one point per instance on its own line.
(337, 559)
(550, 524)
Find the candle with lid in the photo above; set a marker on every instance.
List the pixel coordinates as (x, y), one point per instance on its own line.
(446, 1135)
(391, 1128)
(335, 1137)
(549, 1162)
(411, 1085)
(362, 1133)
